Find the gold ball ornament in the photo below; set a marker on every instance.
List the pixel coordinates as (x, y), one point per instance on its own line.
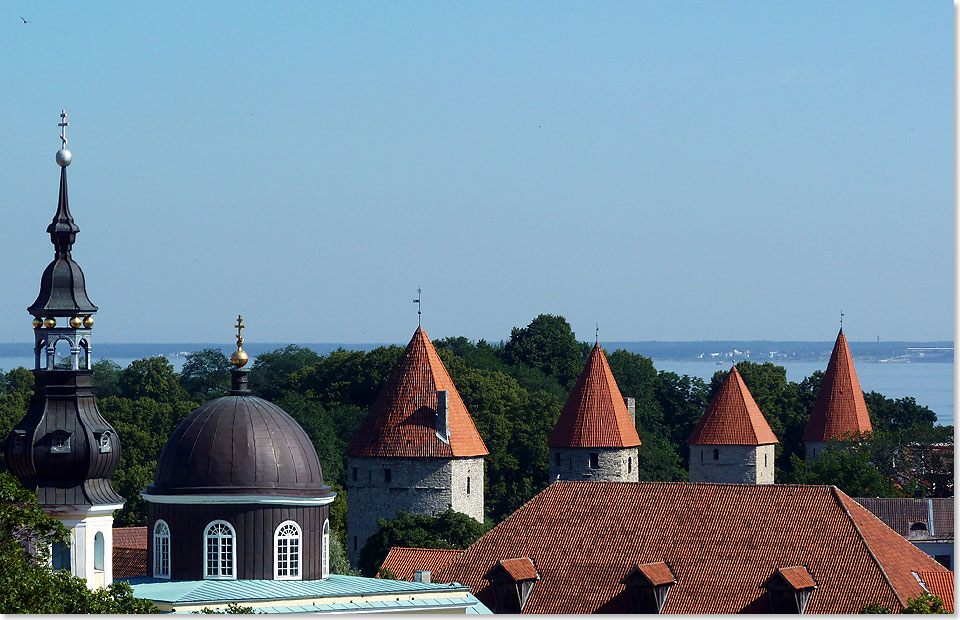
(76, 322)
(37, 322)
(239, 358)
(88, 322)
(50, 322)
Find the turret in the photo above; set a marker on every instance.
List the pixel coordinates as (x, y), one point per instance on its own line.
(63, 449)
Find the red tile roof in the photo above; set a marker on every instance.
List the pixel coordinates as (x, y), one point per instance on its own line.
(939, 584)
(722, 541)
(732, 417)
(798, 577)
(129, 552)
(519, 569)
(839, 409)
(402, 421)
(403, 562)
(657, 573)
(595, 415)
(900, 512)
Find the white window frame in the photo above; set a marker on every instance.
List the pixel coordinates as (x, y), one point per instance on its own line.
(99, 544)
(161, 539)
(233, 551)
(297, 555)
(325, 566)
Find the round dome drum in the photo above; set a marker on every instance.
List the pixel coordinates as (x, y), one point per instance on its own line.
(239, 445)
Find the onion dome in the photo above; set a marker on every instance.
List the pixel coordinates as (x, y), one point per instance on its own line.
(732, 417)
(840, 409)
(62, 288)
(595, 415)
(403, 419)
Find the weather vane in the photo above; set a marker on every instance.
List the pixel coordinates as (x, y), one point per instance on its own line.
(841, 319)
(417, 301)
(597, 334)
(63, 128)
(239, 327)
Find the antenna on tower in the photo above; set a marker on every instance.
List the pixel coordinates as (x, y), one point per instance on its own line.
(419, 308)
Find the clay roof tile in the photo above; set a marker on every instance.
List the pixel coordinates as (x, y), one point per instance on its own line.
(840, 409)
(595, 415)
(402, 421)
(732, 417)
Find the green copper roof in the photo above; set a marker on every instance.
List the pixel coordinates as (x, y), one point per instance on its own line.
(246, 591)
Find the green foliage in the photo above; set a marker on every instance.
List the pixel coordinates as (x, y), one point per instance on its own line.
(16, 388)
(106, 378)
(875, 608)
(926, 603)
(848, 468)
(339, 563)
(206, 375)
(386, 573)
(272, 371)
(887, 414)
(451, 530)
(151, 377)
(549, 345)
(28, 584)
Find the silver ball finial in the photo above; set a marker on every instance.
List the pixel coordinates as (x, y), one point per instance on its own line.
(64, 157)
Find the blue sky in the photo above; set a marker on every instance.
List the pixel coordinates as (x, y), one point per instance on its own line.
(671, 171)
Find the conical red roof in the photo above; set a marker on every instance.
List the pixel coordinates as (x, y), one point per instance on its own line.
(733, 417)
(839, 409)
(402, 421)
(595, 415)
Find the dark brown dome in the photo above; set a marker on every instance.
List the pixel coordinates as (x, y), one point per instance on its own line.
(239, 445)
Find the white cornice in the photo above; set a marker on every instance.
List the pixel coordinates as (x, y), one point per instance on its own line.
(237, 499)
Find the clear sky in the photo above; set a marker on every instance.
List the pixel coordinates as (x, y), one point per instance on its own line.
(669, 170)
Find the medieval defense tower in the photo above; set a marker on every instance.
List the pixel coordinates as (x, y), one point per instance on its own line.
(63, 449)
(732, 442)
(596, 435)
(840, 412)
(417, 450)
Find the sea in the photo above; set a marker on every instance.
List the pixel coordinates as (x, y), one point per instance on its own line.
(930, 383)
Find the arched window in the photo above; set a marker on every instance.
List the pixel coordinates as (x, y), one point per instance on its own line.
(220, 547)
(98, 551)
(287, 546)
(161, 549)
(325, 567)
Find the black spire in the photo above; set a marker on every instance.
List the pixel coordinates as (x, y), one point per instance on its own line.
(62, 288)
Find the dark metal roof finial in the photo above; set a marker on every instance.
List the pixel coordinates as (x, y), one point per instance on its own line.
(841, 320)
(597, 334)
(417, 301)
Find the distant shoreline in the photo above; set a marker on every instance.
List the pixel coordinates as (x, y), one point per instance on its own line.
(706, 351)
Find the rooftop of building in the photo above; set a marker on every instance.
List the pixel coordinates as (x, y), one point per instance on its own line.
(722, 541)
(902, 514)
(402, 421)
(403, 562)
(732, 417)
(840, 409)
(338, 593)
(595, 415)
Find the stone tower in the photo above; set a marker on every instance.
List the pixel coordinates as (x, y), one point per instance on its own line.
(840, 410)
(596, 436)
(63, 449)
(417, 450)
(732, 442)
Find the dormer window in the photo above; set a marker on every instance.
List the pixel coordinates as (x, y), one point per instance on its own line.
(918, 529)
(789, 589)
(512, 582)
(104, 442)
(60, 442)
(648, 586)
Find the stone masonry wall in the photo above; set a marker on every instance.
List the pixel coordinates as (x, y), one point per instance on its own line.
(426, 486)
(614, 464)
(739, 464)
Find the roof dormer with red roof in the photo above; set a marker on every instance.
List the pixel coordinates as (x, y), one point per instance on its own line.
(417, 450)
(840, 411)
(595, 437)
(732, 442)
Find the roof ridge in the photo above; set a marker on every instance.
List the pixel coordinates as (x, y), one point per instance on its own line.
(835, 491)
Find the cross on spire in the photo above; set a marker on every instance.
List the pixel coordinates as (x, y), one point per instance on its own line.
(417, 301)
(239, 327)
(63, 124)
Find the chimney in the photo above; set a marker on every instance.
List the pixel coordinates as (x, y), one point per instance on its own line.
(443, 416)
(421, 576)
(631, 404)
